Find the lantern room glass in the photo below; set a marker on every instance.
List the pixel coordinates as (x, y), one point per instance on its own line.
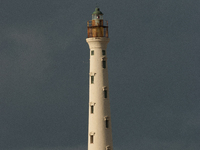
(99, 17)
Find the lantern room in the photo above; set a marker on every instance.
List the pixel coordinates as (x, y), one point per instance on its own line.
(97, 27)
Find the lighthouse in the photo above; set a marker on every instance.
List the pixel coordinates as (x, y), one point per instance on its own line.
(99, 127)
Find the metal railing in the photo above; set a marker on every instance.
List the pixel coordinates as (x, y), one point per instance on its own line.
(97, 29)
(91, 23)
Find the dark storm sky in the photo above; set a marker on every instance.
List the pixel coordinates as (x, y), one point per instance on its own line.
(154, 74)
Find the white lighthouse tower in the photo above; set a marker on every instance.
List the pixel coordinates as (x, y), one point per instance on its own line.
(99, 129)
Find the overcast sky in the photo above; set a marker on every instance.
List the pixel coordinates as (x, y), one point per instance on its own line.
(154, 74)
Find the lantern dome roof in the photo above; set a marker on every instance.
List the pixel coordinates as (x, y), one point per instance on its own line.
(97, 12)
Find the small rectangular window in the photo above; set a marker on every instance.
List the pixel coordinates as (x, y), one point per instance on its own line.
(105, 93)
(104, 63)
(92, 52)
(91, 139)
(92, 109)
(103, 52)
(92, 79)
(107, 123)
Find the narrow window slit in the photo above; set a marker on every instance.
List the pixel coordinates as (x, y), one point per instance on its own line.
(107, 123)
(92, 109)
(104, 64)
(103, 52)
(105, 94)
(92, 79)
(91, 139)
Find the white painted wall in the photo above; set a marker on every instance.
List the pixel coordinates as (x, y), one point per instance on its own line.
(97, 125)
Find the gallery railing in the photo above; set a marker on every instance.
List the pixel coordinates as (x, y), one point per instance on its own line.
(97, 28)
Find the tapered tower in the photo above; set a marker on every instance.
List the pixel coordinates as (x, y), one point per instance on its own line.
(99, 128)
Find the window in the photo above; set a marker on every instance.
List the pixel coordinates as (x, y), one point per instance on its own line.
(105, 93)
(106, 119)
(92, 109)
(108, 148)
(92, 52)
(107, 123)
(91, 139)
(104, 64)
(92, 79)
(91, 106)
(103, 52)
(103, 59)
